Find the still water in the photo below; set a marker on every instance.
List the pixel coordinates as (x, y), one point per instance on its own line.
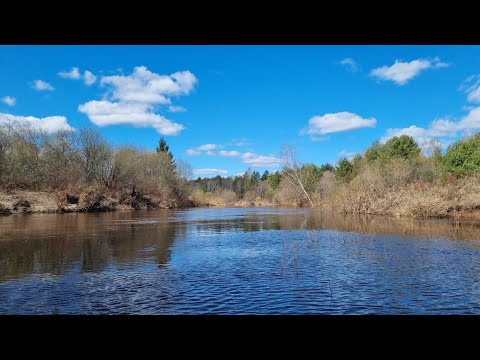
(236, 261)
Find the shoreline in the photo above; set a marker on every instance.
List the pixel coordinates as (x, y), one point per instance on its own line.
(41, 202)
(30, 202)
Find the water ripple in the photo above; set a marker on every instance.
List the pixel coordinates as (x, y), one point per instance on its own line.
(232, 261)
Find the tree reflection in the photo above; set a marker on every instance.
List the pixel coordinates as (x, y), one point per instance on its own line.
(55, 244)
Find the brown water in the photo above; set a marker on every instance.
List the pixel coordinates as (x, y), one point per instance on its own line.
(237, 261)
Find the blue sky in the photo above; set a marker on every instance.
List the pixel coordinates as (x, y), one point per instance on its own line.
(226, 108)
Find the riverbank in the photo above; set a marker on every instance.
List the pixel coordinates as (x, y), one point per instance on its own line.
(413, 202)
(457, 198)
(25, 202)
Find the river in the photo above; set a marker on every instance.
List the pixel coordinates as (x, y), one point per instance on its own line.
(237, 261)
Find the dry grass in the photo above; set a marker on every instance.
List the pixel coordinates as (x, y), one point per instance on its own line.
(394, 192)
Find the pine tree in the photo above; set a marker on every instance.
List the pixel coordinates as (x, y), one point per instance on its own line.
(265, 175)
(163, 147)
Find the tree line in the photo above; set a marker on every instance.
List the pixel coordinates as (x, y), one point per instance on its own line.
(393, 177)
(83, 161)
(371, 182)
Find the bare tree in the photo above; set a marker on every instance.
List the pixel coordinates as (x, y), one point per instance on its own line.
(292, 170)
(97, 155)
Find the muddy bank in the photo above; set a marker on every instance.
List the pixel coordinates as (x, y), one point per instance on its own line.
(25, 202)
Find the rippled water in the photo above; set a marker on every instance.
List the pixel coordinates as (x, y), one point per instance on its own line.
(236, 261)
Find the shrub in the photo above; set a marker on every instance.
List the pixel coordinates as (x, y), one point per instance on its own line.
(463, 157)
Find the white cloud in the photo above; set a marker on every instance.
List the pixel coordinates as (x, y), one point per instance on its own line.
(132, 99)
(438, 64)
(474, 95)
(41, 85)
(48, 124)
(103, 113)
(207, 147)
(174, 109)
(402, 72)
(210, 172)
(260, 160)
(89, 78)
(471, 86)
(229, 153)
(471, 121)
(442, 130)
(148, 87)
(346, 154)
(192, 152)
(73, 74)
(443, 127)
(342, 121)
(9, 100)
(349, 64)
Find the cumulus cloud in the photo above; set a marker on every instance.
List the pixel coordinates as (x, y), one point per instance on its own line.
(402, 72)
(103, 113)
(73, 74)
(229, 153)
(9, 100)
(442, 131)
(89, 78)
(260, 160)
(48, 124)
(41, 85)
(174, 109)
(133, 99)
(336, 122)
(210, 153)
(210, 172)
(146, 86)
(349, 64)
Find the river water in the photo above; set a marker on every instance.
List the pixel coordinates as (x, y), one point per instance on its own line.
(237, 261)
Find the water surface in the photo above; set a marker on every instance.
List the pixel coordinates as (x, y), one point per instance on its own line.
(236, 261)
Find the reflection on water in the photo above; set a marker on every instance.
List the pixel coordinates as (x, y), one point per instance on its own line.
(237, 261)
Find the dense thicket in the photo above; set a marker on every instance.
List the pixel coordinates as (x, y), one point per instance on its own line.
(393, 177)
(83, 161)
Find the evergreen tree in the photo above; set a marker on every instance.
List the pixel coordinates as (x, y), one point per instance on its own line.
(344, 170)
(265, 175)
(275, 179)
(325, 167)
(163, 147)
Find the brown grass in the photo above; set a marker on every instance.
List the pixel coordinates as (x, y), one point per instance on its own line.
(393, 194)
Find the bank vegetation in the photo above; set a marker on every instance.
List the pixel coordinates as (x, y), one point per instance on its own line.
(392, 178)
(81, 171)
